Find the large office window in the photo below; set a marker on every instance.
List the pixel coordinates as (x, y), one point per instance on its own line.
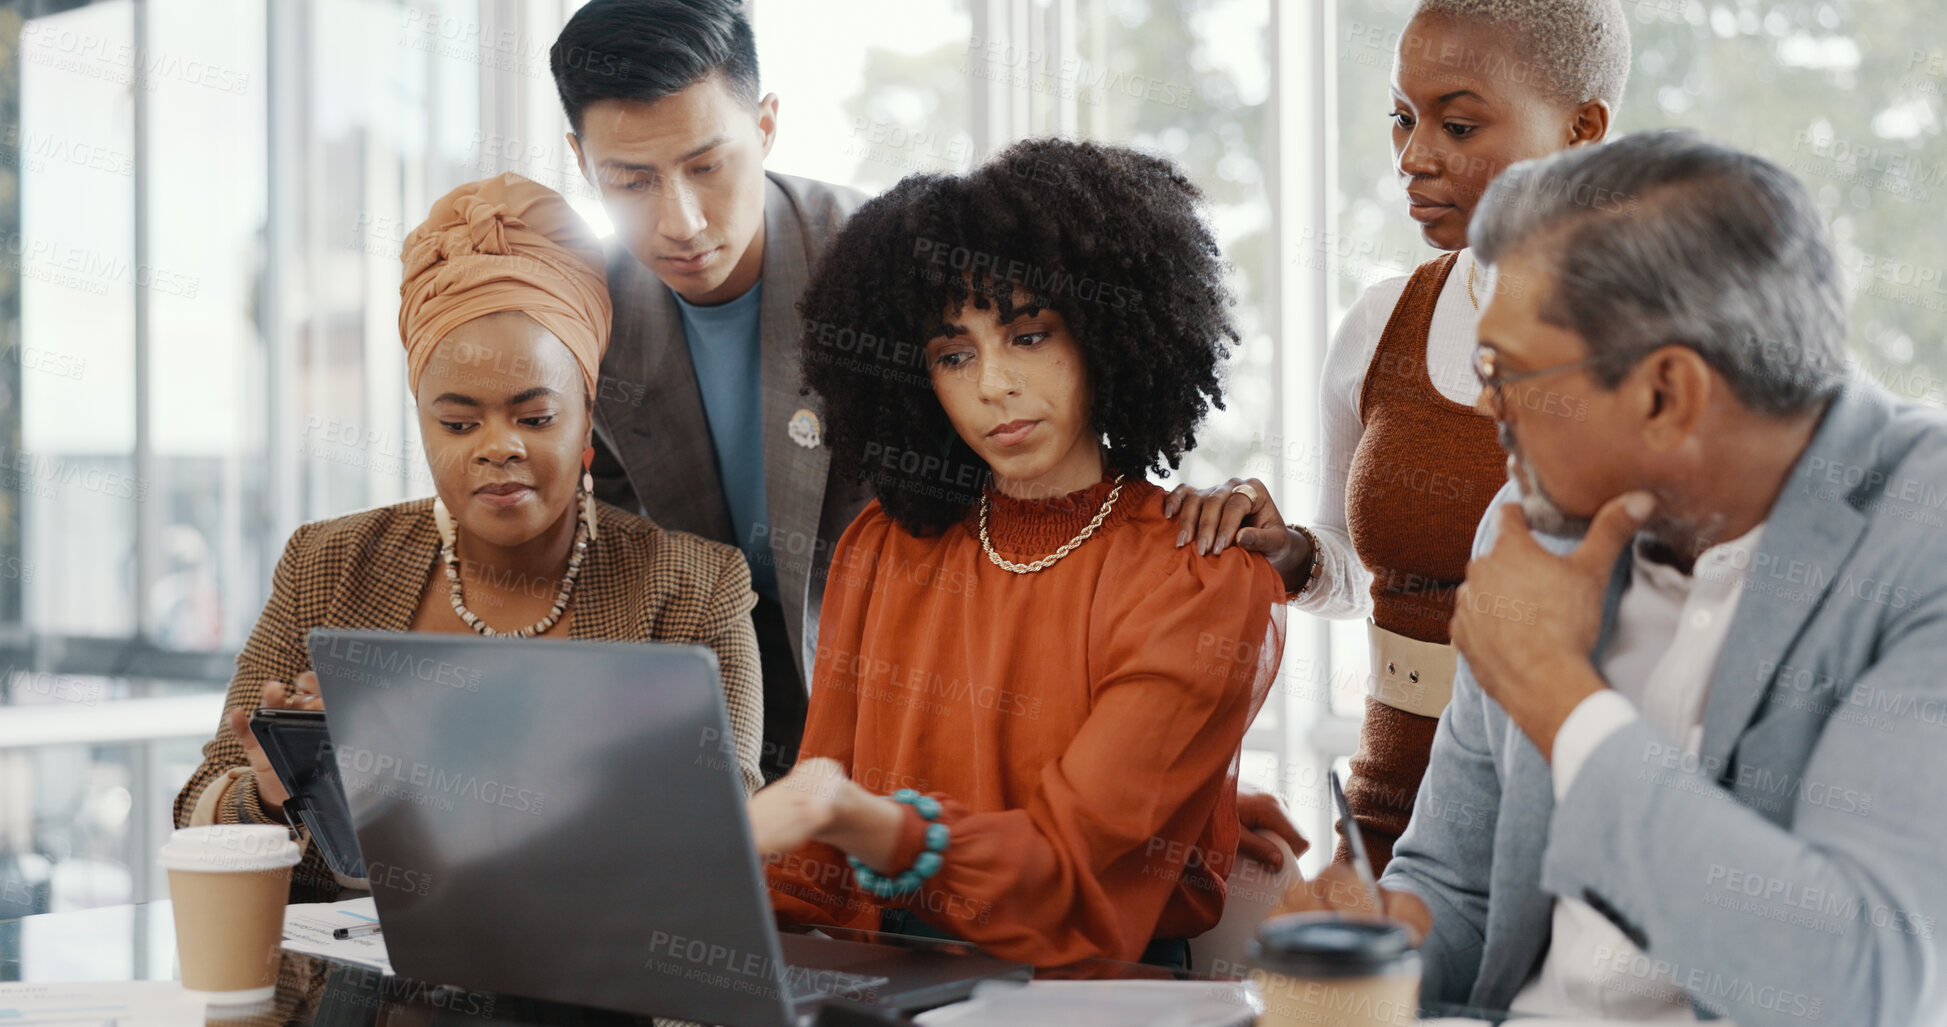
(75, 270)
(869, 97)
(202, 279)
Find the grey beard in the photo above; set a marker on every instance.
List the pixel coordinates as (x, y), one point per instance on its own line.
(1543, 514)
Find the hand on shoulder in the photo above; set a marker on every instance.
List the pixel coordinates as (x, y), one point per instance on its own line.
(1241, 513)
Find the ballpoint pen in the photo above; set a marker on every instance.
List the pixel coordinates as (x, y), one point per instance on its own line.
(356, 931)
(1357, 844)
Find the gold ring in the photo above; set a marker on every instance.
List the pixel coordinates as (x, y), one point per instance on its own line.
(1246, 491)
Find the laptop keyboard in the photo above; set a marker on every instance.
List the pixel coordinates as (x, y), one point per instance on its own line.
(802, 983)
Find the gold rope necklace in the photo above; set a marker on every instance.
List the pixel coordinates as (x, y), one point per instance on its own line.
(1068, 547)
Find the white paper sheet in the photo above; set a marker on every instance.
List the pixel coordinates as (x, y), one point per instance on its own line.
(308, 927)
(120, 1003)
(1101, 1004)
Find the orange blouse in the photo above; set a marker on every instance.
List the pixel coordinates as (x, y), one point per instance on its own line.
(1080, 725)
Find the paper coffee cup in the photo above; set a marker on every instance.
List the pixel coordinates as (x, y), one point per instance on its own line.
(1327, 970)
(229, 884)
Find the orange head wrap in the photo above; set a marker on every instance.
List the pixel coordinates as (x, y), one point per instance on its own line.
(503, 243)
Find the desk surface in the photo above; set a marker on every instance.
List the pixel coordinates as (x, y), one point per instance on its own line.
(138, 943)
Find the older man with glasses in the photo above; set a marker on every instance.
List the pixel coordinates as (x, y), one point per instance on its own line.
(1693, 765)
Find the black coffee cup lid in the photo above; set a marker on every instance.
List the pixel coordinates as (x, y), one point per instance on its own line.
(1331, 945)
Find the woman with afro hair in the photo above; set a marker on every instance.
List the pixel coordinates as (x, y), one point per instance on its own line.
(1027, 702)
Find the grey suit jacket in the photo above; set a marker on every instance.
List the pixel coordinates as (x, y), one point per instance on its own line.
(656, 450)
(1795, 870)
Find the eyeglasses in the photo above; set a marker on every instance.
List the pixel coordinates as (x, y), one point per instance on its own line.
(1494, 381)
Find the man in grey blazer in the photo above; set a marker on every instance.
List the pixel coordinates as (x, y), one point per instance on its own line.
(1696, 760)
(699, 423)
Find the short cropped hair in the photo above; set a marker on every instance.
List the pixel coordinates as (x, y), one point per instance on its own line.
(1577, 50)
(1664, 238)
(1111, 239)
(644, 50)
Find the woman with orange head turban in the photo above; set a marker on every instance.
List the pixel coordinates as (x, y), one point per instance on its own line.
(504, 313)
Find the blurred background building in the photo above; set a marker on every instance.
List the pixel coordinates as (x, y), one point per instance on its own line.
(202, 204)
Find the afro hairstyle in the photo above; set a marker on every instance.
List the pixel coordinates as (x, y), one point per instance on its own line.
(1111, 239)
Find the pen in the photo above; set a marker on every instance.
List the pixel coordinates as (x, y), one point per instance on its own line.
(1357, 844)
(357, 931)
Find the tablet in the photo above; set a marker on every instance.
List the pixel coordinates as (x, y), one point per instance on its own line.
(299, 748)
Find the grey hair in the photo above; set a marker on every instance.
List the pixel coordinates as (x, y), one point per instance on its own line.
(1664, 238)
(1578, 49)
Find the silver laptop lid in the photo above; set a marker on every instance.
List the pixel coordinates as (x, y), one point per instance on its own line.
(555, 819)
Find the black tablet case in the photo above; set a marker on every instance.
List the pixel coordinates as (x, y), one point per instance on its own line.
(299, 748)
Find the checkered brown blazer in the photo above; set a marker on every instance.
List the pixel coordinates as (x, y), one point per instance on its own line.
(639, 583)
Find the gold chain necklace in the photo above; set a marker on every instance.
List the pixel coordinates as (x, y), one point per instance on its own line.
(1471, 265)
(1047, 561)
(450, 556)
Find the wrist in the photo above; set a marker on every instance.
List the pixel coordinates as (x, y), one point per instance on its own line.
(1563, 685)
(1302, 574)
(1307, 554)
(252, 805)
(922, 853)
(864, 825)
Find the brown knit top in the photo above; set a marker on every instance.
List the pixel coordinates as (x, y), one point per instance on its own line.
(1422, 476)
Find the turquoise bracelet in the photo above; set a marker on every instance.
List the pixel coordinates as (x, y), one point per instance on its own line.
(928, 863)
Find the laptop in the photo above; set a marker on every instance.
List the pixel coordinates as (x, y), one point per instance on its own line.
(564, 820)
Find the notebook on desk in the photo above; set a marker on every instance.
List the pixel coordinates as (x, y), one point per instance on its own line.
(564, 820)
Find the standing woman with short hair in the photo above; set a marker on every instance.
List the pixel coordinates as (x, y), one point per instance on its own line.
(1410, 460)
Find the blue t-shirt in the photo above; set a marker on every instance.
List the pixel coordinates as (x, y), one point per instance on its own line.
(727, 354)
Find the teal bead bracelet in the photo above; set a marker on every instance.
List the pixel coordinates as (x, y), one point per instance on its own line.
(929, 861)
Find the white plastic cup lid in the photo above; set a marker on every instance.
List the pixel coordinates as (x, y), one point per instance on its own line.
(229, 848)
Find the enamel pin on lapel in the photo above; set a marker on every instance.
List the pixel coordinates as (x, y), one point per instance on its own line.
(804, 429)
